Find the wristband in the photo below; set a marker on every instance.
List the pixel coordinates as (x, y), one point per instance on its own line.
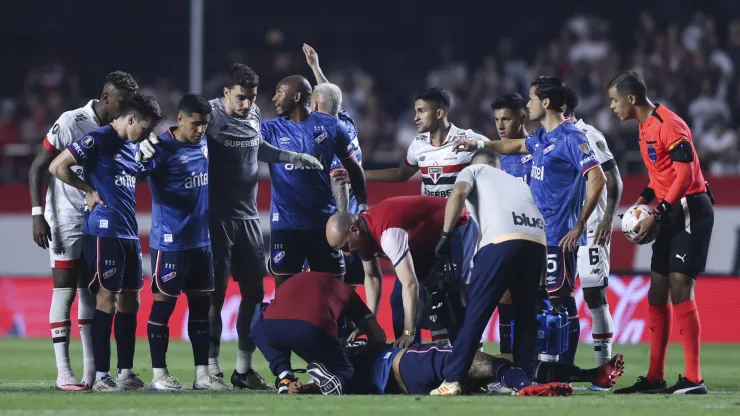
(362, 207)
(37, 211)
(648, 194)
(481, 144)
(662, 210)
(409, 333)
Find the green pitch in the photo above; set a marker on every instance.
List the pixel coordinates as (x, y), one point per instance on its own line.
(27, 374)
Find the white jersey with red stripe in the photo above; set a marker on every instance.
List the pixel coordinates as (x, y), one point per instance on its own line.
(598, 145)
(439, 165)
(64, 203)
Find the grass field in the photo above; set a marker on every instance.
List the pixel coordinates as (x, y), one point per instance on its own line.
(27, 374)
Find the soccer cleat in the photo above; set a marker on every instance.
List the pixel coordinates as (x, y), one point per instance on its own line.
(546, 390)
(209, 382)
(107, 385)
(70, 383)
(250, 380)
(608, 373)
(683, 386)
(166, 382)
(643, 385)
(498, 387)
(329, 384)
(447, 389)
(132, 382)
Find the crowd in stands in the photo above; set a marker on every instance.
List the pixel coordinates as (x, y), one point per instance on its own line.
(691, 68)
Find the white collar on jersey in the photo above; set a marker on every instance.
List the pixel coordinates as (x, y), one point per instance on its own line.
(88, 109)
(451, 135)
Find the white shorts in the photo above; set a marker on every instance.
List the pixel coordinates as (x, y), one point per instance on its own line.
(593, 264)
(65, 247)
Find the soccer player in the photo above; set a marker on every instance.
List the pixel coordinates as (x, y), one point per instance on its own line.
(561, 157)
(302, 200)
(111, 248)
(181, 248)
(235, 145)
(510, 116)
(686, 218)
(403, 230)
(58, 227)
(511, 255)
(593, 258)
(303, 319)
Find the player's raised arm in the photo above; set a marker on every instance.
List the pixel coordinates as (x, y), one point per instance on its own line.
(504, 147)
(312, 59)
(402, 173)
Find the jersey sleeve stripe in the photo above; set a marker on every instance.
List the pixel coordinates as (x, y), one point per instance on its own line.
(74, 155)
(348, 155)
(401, 257)
(677, 142)
(50, 147)
(585, 170)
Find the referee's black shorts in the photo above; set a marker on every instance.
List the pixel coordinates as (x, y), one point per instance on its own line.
(682, 243)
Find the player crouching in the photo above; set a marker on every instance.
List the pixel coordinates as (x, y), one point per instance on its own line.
(181, 247)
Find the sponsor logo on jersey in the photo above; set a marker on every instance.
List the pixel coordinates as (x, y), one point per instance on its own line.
(242, 143)
(587, 160)
(80, 117)
(55, 129)
(204, 149)
(196, 180)
(78, 149)
(126, 180)
(109, 273)
(118, 157)
(548, 149)
(169, 276)
(321, 137)
(184, 159)
(88, 141)
(527, 158)
(584, 148)
(443, 194)
(538, 173)
(524, 220)
(435, 172)
(278, 256)
(284, 140)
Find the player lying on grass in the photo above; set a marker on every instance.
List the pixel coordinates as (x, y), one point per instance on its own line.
(303, 319)
(420, 368)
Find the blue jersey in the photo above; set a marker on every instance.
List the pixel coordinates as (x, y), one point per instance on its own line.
(110, 166)
(560, 159)
(349, 123)
(518, 166)
(302, 199)
(372, 370)
(178, 180)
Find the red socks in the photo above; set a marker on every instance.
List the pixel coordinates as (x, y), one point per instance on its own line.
(687, 317)
(660, 331)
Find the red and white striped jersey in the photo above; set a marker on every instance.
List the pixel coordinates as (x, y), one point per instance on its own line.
(439, 165)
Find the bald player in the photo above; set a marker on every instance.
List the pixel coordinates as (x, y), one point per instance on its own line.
(302, 200)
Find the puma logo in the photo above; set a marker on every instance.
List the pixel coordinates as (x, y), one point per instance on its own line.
(683, 258)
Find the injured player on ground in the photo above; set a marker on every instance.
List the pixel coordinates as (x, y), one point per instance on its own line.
(420, 368)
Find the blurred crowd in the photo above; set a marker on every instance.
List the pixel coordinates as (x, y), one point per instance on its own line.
(691, 68)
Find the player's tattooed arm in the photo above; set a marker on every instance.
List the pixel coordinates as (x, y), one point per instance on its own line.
(61, 166)
(340, 189)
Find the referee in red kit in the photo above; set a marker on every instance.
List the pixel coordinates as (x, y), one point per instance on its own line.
(684, 218)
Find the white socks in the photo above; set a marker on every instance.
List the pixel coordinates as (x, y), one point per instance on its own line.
(243, 361)
(85, 313)
(61, 303)
(213, 366)
(602, 328)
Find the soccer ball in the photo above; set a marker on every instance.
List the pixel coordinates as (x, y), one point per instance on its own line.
(630, 219)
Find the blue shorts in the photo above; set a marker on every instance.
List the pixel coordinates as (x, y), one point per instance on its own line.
(113, 263)
(188, 270)
(422, 367)
(562, 269)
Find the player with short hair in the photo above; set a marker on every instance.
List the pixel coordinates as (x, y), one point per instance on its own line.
(561, 159)
(182, 260)
(302, 200)
(303, 319)
(511, 256)
(235, 146)
(686, 218)
(403, 230)
(593, 258)
(58, 226)
(327, 99)
(111, 248)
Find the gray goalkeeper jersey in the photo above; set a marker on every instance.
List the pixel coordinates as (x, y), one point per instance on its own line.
(232, 169)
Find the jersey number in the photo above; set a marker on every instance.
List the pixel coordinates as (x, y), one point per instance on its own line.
(552, 263)
(593, 256)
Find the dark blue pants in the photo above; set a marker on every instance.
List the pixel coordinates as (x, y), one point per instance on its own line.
(464, 240)
(277, 338)
(516, 265)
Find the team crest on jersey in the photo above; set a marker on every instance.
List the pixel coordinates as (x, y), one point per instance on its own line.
(80, 117)
(601, 145)
(435, 172)
(55, 129)
(584, 148)
(88, 141)
(652, 154)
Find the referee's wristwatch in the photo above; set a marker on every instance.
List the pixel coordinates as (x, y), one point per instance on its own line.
(409, 333)
(662, 210)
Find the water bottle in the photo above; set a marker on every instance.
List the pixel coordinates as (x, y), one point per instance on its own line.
(565, 330)
(541, 331)
(552, 336)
